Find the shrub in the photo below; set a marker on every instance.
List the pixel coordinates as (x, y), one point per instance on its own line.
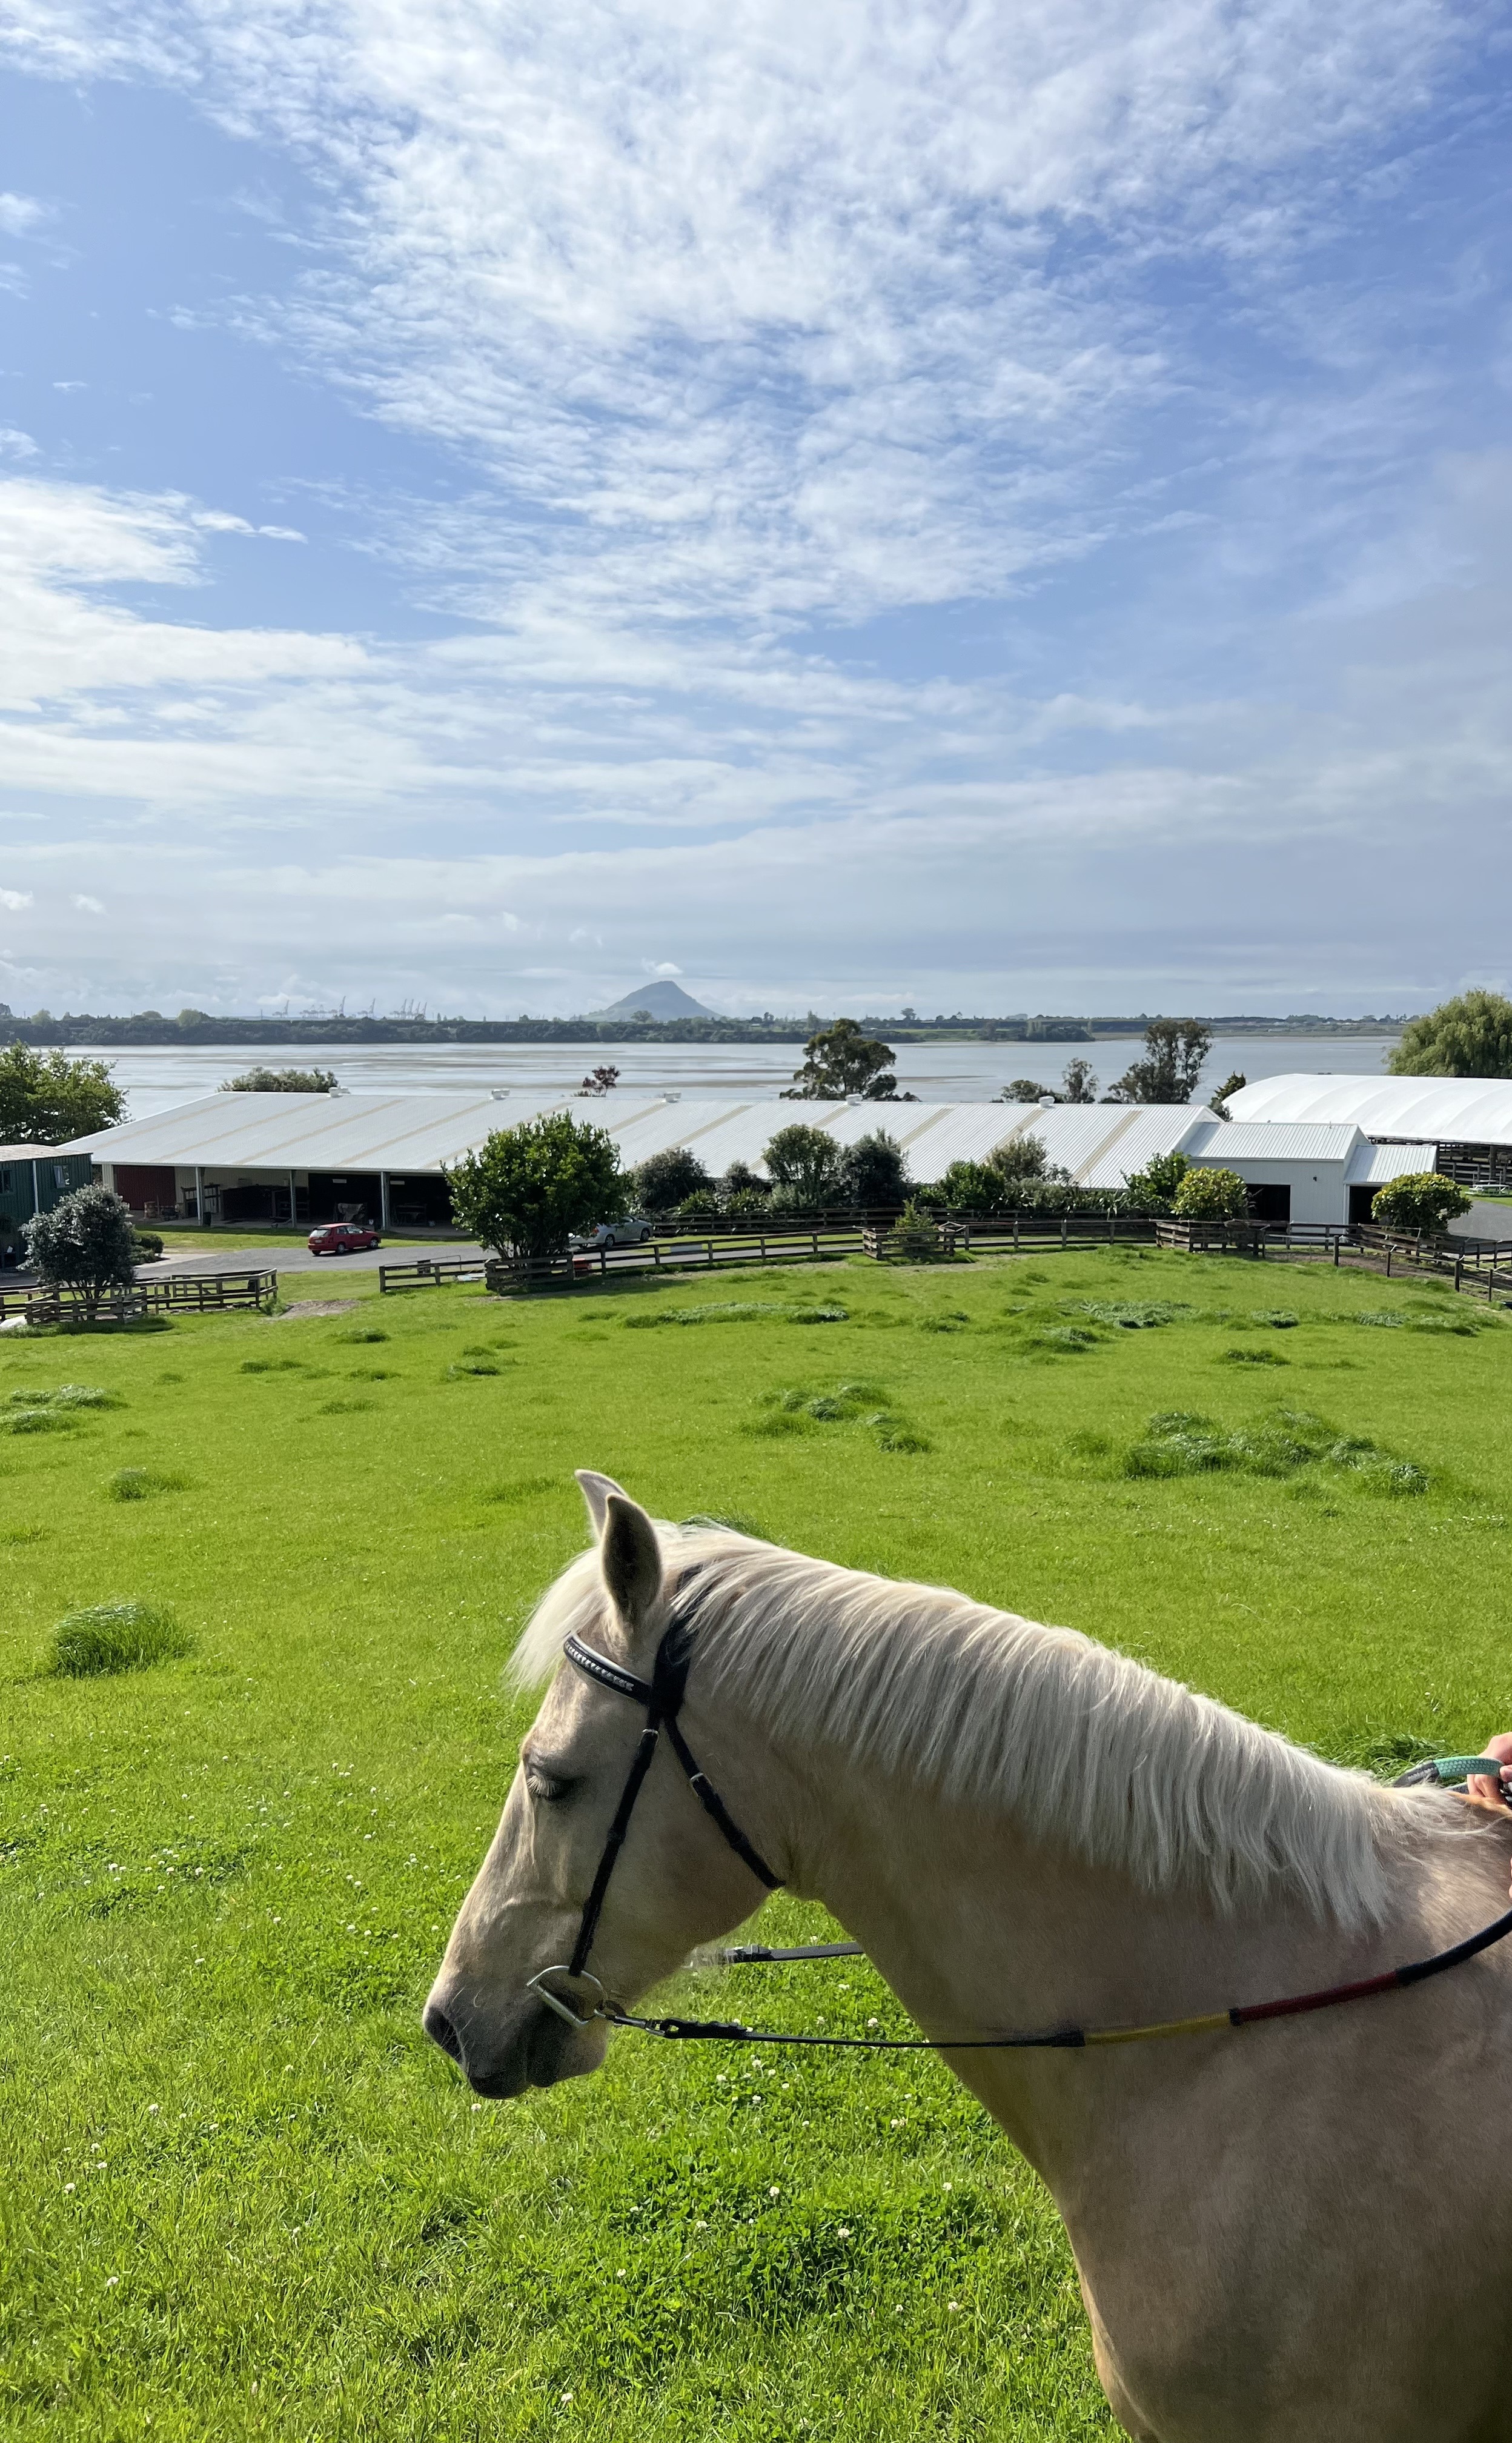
(149, 1245)
(1210, 1196)
(743, 1189)
(977, 1187)
(803, 1165)
(1420, 1200)
(528, 1189)
(85, 1244)
(116, 1637)
(1154, 1189)
(140, 1483)
(664, 1179)
(874, 1172)
(281, 1081)
(914, 1236)
(1023, 1157)
(702, 1206)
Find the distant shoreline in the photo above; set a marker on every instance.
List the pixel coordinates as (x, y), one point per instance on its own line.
(277, 1035)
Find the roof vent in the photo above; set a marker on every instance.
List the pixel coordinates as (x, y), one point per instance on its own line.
(1047, 1102)
(672, 1098)
(499, 1093)
(334, 1089)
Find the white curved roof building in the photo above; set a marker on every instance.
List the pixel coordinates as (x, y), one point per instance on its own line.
(1437, 1111)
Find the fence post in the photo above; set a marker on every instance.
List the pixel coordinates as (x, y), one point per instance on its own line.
(1459, 1268)
(1064, 1228)
(816, 1245)
(1388, 1256)
(708, 1249)
(1015, 1233)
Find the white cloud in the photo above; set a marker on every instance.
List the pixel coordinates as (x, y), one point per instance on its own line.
(91, 906)
(15, 443)
(660, 967)
(15, 900)
(19, 214)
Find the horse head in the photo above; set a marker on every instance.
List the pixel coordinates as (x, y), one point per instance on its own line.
(675, 1885)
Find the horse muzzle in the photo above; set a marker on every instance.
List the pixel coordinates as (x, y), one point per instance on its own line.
(532, 2045)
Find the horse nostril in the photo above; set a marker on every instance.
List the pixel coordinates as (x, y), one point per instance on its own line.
(441, 2032)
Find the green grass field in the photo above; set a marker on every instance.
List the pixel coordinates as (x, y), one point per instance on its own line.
(243, 2195)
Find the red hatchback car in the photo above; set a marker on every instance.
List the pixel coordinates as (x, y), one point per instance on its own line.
(341, 1239)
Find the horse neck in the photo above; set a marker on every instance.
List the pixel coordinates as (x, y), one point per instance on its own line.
(980, 1929)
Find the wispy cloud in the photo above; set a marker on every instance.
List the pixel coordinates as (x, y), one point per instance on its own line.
(913, 486)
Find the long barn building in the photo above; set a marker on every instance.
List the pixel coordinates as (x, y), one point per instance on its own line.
(1310, 1149)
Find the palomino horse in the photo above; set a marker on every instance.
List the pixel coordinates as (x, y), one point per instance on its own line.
(1283, 2231)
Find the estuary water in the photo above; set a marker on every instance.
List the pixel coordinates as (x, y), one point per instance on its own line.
(154, 1076)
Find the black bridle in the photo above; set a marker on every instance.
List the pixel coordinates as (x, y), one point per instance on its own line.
(662, 1696)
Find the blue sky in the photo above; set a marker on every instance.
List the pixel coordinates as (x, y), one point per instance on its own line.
(897, 503)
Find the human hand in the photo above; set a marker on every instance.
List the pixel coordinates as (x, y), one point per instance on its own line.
(1480, 1786)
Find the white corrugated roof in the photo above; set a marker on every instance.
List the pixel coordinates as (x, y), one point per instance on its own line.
(1374, 1165)
(1272, 1140)
(1465, 1110)
(1098, 1144)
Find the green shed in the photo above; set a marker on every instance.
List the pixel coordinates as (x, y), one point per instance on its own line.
(33, 1179)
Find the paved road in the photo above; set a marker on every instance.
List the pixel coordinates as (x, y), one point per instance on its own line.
(293, 1258)
(299, 1260)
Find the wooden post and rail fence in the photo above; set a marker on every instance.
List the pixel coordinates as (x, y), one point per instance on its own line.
(178, 1293)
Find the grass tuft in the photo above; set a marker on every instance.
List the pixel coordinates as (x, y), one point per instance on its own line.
(116, 1637)
(140, 1483)
(738, 1311)
(1179, 1442)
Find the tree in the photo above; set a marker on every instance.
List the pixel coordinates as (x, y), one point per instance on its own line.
(874, 1172)
(281, 1081)
(1078, 1084)
(977, 1187)
(602, 1080)
(1175, 1050)
(1023, 1090)
(1154, 1189)
(528, 1189)
(1023, 1157)
(45, 1098)
(840, 1061)
(1420, 1200)
(1233, 1084)
(740, 1180)
(1468, 1037)
(803, 1165)
(85, 1244)
(1210, 1196)
(663, 1179)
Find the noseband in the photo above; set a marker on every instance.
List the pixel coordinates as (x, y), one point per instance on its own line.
(662, 1696)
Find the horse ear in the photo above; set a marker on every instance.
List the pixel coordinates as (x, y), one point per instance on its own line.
(632, 1558)
(595, 1490)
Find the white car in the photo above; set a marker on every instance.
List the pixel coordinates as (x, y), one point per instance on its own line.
(613, 1234)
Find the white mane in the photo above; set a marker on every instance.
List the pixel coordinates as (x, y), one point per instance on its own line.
(1077, 1744)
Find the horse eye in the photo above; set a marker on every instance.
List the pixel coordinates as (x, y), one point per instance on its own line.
(548, 1787)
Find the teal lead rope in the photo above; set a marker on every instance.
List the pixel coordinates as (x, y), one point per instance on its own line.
(1459, 1768)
